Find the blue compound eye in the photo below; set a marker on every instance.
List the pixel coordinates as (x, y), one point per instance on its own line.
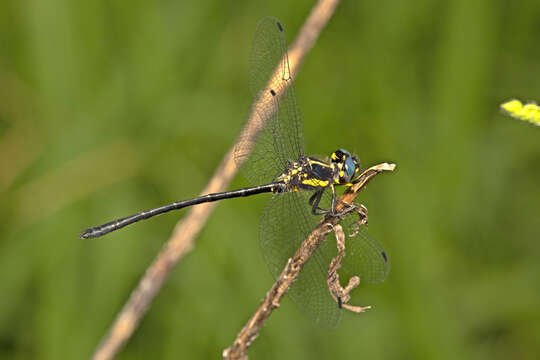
(350, 167)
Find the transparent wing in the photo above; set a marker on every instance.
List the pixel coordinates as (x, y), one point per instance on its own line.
(285, 223)
(275, 137)
(364, 257)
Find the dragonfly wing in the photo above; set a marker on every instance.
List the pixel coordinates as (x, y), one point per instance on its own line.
(274, 138)
(285, 223)
(364, 256)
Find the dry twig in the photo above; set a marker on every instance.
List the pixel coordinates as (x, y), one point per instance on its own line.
(341, 295)
(246, 336)
(182, 238)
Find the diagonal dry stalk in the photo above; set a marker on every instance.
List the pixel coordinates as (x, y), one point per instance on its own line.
(182, 238)
(246, 336)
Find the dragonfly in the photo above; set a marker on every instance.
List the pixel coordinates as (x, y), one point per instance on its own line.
(303, 187)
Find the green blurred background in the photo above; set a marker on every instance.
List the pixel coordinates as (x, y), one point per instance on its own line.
(109, 107)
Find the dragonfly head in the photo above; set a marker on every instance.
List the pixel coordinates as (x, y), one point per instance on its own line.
(345, 166)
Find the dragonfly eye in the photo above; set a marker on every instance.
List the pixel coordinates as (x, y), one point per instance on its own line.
(350, 168)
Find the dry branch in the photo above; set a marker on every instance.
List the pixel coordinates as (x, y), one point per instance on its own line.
(341, 295)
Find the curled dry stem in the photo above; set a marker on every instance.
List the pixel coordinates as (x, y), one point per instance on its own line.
(341, 295)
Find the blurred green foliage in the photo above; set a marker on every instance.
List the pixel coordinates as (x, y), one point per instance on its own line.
(109, 107)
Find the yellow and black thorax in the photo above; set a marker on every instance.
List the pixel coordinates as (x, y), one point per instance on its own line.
(309, 173)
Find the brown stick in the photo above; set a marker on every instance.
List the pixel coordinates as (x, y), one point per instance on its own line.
(182, 238)
(340, 294)
(246, 336)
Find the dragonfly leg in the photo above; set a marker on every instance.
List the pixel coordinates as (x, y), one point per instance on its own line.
(335, 201)
(314, 201)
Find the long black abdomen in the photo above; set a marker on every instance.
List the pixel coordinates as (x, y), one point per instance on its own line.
(120, 223)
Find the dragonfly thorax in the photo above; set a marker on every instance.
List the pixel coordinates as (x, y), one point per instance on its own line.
(307, 173)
